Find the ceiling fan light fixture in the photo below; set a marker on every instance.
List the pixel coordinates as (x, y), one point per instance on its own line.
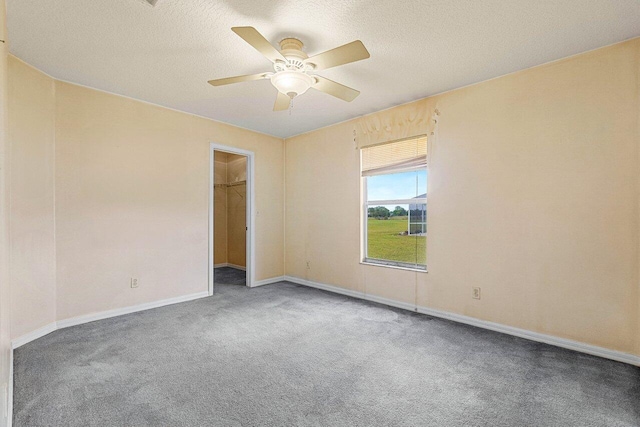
(292, 65)
(292, 83)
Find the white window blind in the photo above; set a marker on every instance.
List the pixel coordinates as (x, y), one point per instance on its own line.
(400, 156)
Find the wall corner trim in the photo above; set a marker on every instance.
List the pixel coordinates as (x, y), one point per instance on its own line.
(33, 335)
(593, 350)
(268, 281)
(227, 264)
(10, 392)
(61, 324)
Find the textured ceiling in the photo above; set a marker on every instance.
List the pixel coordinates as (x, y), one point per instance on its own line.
(166, 54)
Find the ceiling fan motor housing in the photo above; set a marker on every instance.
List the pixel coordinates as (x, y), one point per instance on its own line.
(292, 47)
(291, 77)
(291, 50)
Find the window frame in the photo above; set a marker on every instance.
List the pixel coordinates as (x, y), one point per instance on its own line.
(365, 222)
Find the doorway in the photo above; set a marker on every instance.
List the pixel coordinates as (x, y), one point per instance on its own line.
(230, 218)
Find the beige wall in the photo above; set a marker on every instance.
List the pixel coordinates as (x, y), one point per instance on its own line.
(132, 183)
(131, 186)
(32, 142)
(5, 319)
(533, 196)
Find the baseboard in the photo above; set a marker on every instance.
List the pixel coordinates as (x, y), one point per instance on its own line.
(324, 287)
(497, 327)
(351, 293)
(390, 302)
(33, 335)
(227, 264)
(126, 310)
(535, 336)
(268, 281)
(26, 338)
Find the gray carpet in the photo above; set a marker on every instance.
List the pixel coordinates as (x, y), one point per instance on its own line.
(229, 276)
(286, 355)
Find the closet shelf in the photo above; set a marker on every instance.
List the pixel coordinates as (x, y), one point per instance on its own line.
(230, 184)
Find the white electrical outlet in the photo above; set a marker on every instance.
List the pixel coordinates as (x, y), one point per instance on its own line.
(134, 282)
(476, 293)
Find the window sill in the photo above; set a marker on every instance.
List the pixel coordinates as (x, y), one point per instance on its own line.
(395, 267)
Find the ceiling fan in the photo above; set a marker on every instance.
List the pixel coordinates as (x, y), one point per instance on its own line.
(292, 67)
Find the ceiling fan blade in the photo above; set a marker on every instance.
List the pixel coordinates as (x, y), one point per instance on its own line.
(282, 102)
(336, 89)
(257, 40)
(237, 79)
(350, 52)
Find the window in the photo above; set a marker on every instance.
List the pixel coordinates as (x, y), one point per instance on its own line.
(395, 203)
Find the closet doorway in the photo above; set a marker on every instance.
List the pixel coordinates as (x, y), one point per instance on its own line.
(230, 218)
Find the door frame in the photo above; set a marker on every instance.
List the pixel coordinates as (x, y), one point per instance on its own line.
(251, 213)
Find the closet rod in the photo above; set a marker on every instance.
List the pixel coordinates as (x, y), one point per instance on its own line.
(230, 184)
